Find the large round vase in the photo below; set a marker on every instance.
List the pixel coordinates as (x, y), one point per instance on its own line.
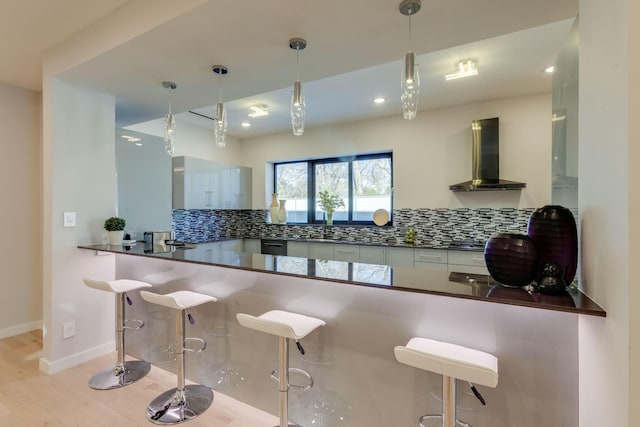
(511, 258)
(553, 229)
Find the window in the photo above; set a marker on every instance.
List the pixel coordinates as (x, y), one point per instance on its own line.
(363, 182)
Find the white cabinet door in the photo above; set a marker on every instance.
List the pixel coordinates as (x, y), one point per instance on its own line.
(373, 255)
(430, 259)
(320, 251)
(204, 184)
(467, 262)
(251, 246)
(235, 192)
(345, 252)
(299, 249)
(400, 257)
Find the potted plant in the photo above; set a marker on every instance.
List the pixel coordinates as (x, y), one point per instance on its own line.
(115, 227)
(329, 202)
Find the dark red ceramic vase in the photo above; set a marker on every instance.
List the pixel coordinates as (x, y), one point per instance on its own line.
(511, 258)
(553, 229)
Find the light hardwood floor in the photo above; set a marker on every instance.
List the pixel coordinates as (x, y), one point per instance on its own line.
(29, 397)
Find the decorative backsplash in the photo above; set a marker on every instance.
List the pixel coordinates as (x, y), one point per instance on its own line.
(432, 226)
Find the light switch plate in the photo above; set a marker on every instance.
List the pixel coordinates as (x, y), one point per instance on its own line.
(69, 219)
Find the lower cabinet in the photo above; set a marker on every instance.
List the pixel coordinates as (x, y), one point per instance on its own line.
(373, 255)
(400, 257)
(467, 262)
(299, 249)
(251, 246)
(430, 259)
(420, 258)
(349, 253)
(320, 251)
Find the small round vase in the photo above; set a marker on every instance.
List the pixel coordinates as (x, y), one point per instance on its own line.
(511, 258)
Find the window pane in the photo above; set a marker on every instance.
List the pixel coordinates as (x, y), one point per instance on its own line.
(334, 178)
(291, 185)
(371, 187)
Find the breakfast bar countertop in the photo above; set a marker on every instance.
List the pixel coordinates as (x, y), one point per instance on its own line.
(449, 284)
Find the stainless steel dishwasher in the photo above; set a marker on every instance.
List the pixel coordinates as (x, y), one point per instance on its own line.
(273, 247)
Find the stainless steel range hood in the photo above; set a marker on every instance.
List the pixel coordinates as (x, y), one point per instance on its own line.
(485, 161)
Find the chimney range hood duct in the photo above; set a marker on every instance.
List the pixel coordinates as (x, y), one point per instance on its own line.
(485, 165)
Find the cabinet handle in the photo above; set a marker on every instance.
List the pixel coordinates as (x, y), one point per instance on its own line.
(346, 251)
(431, 257)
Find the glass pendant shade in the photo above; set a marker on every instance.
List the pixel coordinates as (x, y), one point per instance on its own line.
(220, 130)
(297, 109)
(169, 133)
(410, 85)
(169, 122)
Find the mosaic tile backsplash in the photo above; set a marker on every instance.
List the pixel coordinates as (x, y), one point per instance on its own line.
(434, 227)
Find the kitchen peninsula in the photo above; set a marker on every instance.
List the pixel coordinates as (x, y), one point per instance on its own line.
(357, 379)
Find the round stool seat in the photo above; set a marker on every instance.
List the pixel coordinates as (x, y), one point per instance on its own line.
(281, 323)
(116, 286)
(450, 360)
(179, 300)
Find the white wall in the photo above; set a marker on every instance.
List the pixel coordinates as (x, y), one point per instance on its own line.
(430, 152)
(82, 180)
(20, 256)
(144, 184)
(609, 211)
(633, 48)
(78, 164)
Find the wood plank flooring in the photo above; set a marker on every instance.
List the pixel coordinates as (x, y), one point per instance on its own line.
(30, 398)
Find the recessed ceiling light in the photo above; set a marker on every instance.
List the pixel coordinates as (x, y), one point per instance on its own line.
(550, 69)
(131, 138)
(245, 124)
(379, 100)
(259, 110)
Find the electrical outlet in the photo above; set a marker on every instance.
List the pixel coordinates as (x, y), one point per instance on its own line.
(68, 329)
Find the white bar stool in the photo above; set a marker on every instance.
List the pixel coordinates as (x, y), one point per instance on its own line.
(452, 362)
(124, 372)
(185, 401)
(286, 326)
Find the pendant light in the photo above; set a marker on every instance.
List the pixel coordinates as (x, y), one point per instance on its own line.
(220, 128)
(169, 122)
(410, 83)
(297, 98)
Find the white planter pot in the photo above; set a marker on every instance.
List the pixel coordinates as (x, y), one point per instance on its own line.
(115, 237)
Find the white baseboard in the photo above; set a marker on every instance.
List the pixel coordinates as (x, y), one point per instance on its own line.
(50, 368)
(20, 329)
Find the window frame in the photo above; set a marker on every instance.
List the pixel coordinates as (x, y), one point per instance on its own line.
(311, 184)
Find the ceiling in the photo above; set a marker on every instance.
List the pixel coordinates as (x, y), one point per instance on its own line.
(28, 28)
(354, 54)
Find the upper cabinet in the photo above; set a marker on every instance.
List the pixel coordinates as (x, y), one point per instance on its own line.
(205, 184)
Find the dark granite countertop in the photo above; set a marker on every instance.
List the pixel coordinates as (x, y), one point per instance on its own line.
(456, 285)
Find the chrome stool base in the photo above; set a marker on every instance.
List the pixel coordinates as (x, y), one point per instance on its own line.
(173, 407)
(117, 377)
